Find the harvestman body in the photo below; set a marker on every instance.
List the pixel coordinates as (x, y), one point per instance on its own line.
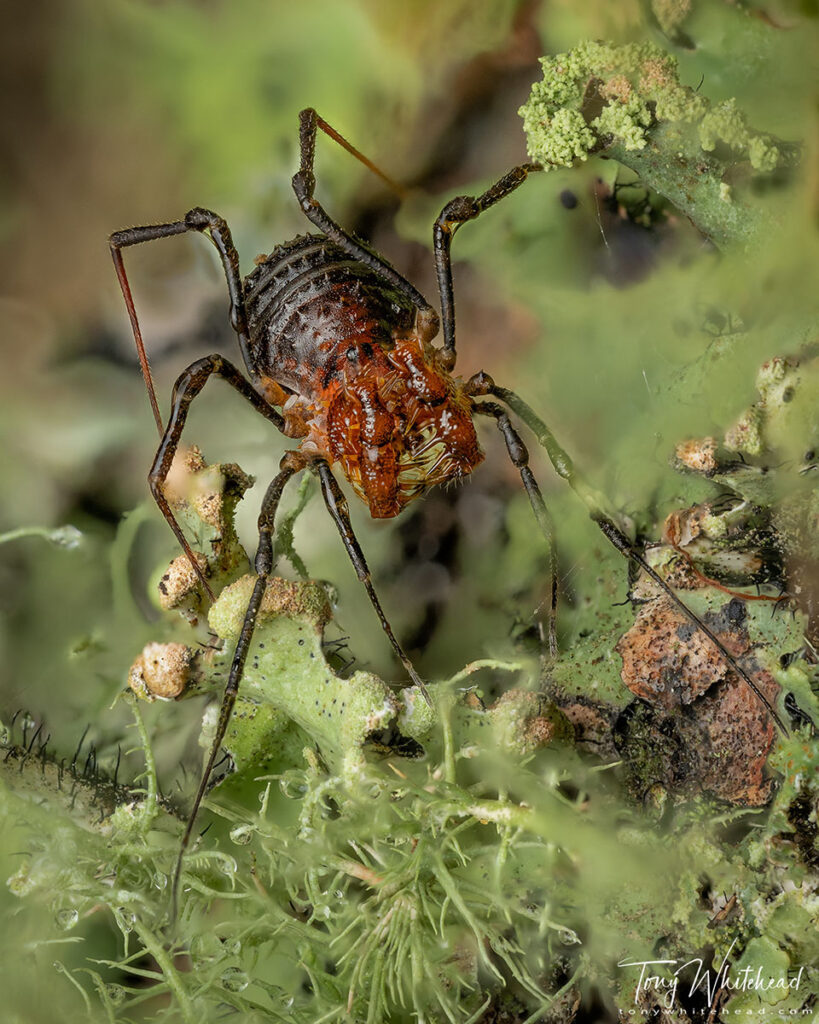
(337, 346)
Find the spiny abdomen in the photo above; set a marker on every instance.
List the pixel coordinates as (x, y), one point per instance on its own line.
(305, 300)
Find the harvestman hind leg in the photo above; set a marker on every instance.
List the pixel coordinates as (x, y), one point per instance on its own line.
(291, 464)
(339, 510)
(564, 467)
(188, 385)
(204, 221)
(519, 455)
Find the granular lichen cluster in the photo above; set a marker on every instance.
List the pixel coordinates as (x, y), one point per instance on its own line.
(599, 93)
(627, 102)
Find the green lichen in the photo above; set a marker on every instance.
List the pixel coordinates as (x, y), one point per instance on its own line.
(628, 103)
(286, 668)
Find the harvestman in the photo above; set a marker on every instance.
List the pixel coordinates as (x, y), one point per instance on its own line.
(337, 348)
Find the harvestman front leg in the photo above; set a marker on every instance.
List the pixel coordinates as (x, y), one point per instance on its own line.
(456, 212)
(219, 233)
(291, 464)
(519, 455)
(339, 510)
(188, 385)
(483, 384)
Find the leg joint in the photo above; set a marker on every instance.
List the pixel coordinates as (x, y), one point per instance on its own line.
(199, 219)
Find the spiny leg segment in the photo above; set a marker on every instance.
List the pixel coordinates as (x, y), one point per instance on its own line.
(291, 464)
(456, 212)
(188, 385)
(211, 225)
(519, 455)
(339, 511)
(304, 185)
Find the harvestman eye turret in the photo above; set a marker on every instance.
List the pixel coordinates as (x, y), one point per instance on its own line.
(338, 354)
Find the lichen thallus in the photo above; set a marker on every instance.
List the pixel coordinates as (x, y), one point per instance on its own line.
(337, 346)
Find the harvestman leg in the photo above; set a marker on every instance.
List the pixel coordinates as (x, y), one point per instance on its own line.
(291, 464)
(564, 467)
(219, 233)
(188, 385)
(339, 510)
(304, 185)
(456, 212)
(519, 455)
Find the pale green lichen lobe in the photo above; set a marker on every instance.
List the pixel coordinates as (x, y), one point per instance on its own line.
(303, 601)
(286, 669)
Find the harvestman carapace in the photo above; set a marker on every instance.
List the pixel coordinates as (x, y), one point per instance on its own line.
(337, 350)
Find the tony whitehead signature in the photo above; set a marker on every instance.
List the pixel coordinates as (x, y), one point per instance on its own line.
(666, 983)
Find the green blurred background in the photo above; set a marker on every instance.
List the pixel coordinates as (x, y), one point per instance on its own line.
(127, 112)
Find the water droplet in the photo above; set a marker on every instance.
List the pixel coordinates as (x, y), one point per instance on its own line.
(568, 937)
(228, 866)
(242, 834)
(116, 993)
(235, 980)
(292, 785)
(125, 919)
(21, 883)
(67, 918)
(234, 948)
(66, 536)
(322, 910)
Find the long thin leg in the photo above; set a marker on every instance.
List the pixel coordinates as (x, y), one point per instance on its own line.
(188, 385)
(290, 465)
(304, 185)
(519, 455)
(483, 384)
(456, 212)
(217, 230)
(337, 507)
